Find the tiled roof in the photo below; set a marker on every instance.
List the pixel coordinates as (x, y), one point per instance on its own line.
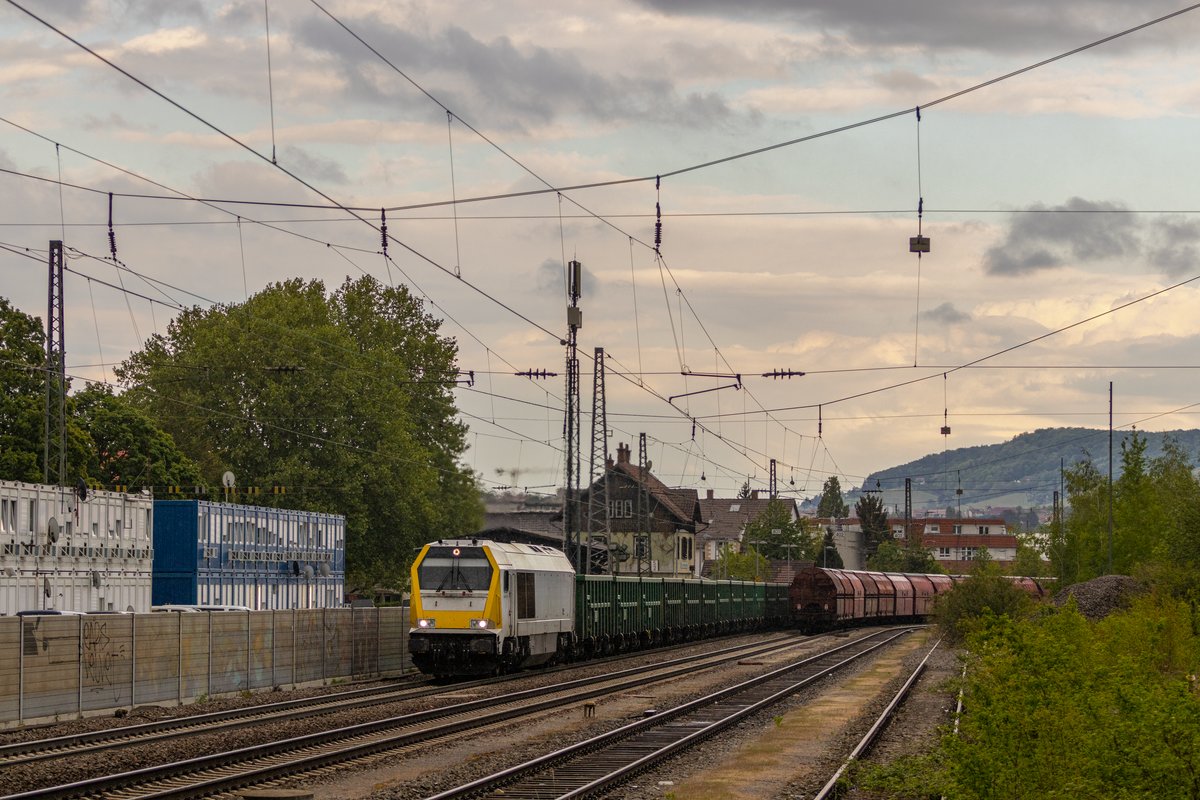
(540, 524)
(727, 517)
(673, 500)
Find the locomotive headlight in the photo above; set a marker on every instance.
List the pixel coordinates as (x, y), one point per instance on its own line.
(427, 623)
(481, 623)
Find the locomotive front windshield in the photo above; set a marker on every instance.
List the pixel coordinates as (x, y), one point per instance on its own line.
(455, 569)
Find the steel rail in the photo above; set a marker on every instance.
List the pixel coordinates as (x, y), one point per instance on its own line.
(130, 735)
(868, 739)
(231, 719)
(277, 759)
(650, 740)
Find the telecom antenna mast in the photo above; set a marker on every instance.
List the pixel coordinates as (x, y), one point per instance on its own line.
(571, 421)
(641, 545)
(54, 451)
(598, 510)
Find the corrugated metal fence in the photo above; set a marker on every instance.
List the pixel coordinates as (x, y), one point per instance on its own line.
(67, 666)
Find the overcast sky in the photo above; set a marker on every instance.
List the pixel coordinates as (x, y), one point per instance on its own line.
(1050, 198)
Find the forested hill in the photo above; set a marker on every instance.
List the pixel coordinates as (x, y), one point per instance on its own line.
(1022, 471)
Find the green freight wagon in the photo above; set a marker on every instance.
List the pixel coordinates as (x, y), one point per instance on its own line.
(614, 613)
(777, 604)
(652, 611)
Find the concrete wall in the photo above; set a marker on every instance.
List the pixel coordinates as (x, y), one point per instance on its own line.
(71, 666)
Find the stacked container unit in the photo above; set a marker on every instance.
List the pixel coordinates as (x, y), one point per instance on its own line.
(74, 550)
(261, 558)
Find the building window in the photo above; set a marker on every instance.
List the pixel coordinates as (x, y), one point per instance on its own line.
(958, 529)
(968, 553)
(984, 530)
(641, 547)
(685, 548)
(620, 509)
(943, 552)
(735, 507)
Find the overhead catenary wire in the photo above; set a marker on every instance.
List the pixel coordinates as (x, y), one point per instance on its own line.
(289, 173)
(658, 177)
(702, 165)
(995, 354)
(270, 77)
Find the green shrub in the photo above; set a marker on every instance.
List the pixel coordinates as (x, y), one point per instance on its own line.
(1059, 707)
(984, 595)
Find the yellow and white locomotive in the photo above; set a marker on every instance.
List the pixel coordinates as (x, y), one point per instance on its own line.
(480, 607)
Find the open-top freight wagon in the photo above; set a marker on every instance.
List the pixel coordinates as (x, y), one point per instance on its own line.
(480, 607)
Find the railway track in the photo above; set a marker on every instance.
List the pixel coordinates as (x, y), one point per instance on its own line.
(131, 735)
(832, 787)
(225, 772)
(598, 764)
(232, 719)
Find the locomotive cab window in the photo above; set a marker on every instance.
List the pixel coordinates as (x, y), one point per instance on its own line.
(455, 569)
(525, 596)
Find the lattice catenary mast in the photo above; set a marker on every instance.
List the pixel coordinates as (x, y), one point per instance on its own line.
(598, 520)
(54, 452)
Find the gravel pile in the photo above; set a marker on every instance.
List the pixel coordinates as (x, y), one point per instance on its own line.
(1101, 596)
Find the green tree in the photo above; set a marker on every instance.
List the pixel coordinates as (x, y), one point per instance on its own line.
(829, 556)
(832, 504)
(745, 491)
(1174, 478)
(344, 398)
(22, 403)
(740, 566)
(776, 535)
(128, 447)
(891, 557)
(1077, 546)
(985, 594)
(873, 520)
(1029, 556)
(1155, 511)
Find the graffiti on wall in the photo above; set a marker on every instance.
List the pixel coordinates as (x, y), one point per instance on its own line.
(101, 656)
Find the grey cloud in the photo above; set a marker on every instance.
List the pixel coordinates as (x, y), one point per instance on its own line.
(113, 121)
(312, 167)
(1015, 26)
(947, 314)
(156, 12)
(513, 87)
(904, 81)
(1175, 245)
(1079, 230)
(548, 280)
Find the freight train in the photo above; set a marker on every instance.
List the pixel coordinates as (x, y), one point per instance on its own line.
(480, 607)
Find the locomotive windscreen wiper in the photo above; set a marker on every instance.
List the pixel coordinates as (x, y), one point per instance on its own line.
(456, 577)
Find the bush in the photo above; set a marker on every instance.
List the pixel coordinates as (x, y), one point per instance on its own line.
(986, 594)
(1061, 707)
(1057, 706)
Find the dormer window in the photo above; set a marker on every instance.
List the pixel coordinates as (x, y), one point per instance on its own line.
(736, 507)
